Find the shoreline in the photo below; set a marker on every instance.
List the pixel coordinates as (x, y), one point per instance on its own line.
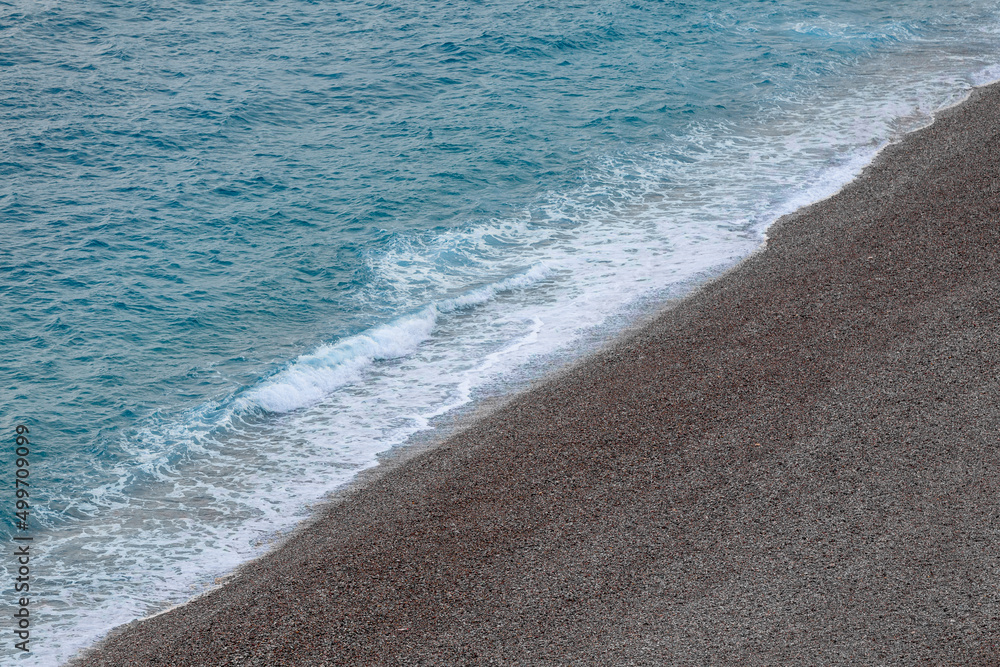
(602, 456)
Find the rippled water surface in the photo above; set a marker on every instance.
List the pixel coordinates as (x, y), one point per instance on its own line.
(249, 246)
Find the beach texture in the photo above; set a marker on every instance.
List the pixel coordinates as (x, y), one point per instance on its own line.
(798, 464)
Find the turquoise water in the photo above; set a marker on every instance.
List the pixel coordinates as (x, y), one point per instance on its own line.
(247, 247)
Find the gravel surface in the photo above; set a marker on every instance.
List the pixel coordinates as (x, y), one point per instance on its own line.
(799, 464)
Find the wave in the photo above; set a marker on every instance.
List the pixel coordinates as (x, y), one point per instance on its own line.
(312, 377)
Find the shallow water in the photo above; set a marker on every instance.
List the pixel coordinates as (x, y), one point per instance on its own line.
(250, 247)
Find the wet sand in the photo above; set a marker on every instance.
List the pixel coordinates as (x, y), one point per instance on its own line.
(799, 464)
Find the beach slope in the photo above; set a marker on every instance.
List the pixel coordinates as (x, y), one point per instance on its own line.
(798, 464)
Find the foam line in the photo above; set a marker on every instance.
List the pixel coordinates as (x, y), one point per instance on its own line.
(312, 377)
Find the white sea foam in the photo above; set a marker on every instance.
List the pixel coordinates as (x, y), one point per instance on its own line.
(312, 377)
(986, 75)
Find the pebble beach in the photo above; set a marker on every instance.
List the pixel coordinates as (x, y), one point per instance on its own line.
(797, 464)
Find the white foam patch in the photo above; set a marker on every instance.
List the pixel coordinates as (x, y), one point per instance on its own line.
(312, 377)
(987, 75)
(842, 31)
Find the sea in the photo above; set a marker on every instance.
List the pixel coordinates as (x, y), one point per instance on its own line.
(247, 248)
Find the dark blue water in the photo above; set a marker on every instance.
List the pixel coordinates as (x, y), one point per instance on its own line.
(247, 247)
